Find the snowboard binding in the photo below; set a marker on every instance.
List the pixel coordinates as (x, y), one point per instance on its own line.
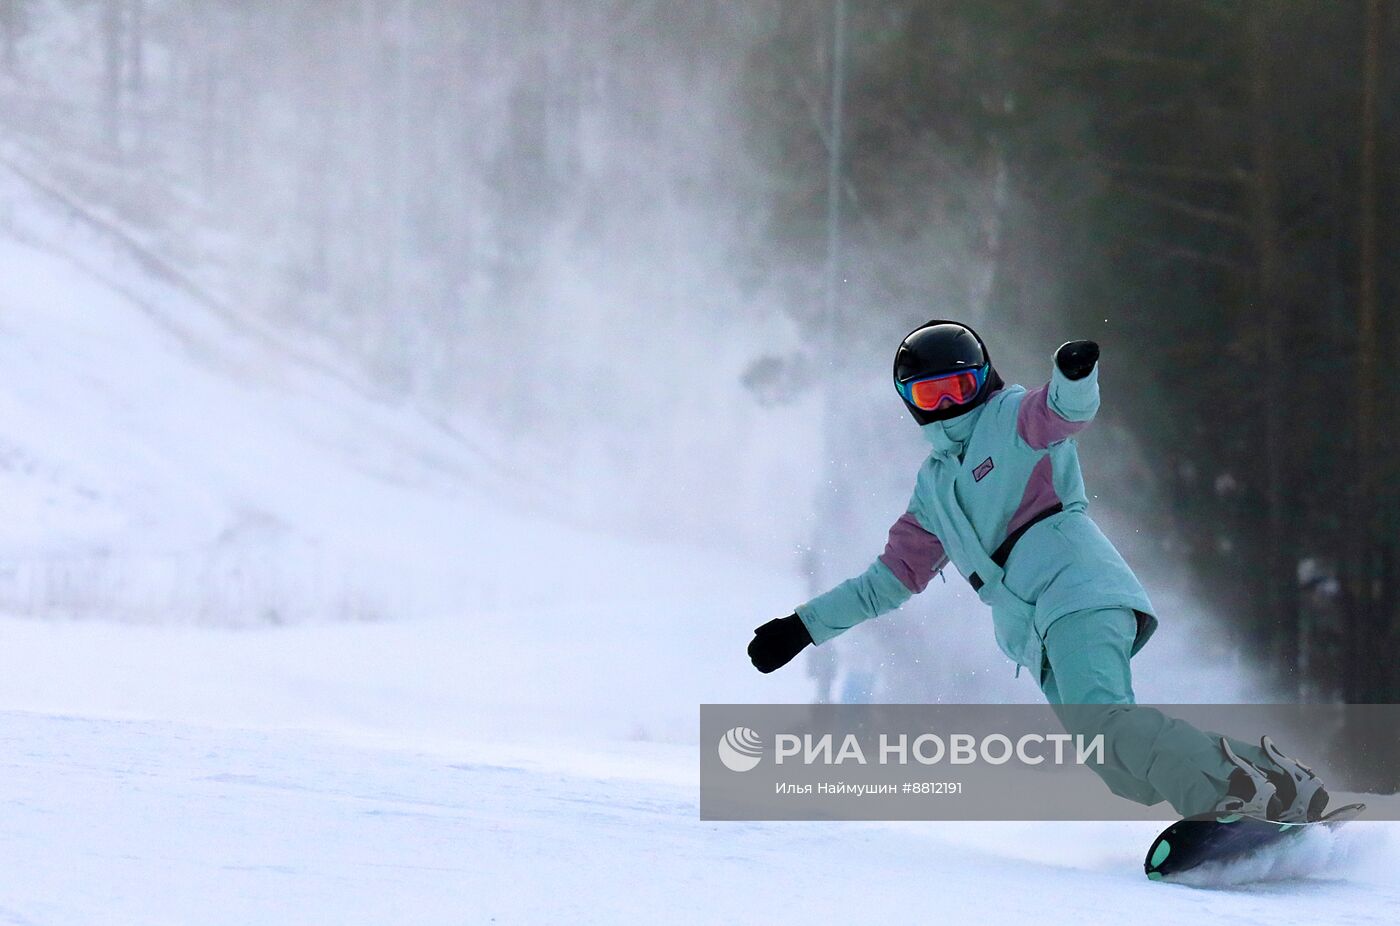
(1289, 792)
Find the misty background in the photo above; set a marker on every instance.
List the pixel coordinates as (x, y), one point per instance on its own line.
(550, 319)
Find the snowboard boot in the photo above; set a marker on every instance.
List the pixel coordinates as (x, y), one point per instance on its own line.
(1250, 794)
(1302, 798)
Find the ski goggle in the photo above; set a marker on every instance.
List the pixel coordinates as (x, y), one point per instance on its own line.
(934, 392)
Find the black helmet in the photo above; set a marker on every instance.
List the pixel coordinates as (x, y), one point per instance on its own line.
(936, 349)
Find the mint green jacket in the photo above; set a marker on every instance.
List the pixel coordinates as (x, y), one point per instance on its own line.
(991, 471)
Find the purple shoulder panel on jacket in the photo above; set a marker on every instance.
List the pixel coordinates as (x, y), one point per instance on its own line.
(1040, 425)
(913, 554)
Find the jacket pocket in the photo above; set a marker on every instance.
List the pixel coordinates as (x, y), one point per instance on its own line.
(1013, 621)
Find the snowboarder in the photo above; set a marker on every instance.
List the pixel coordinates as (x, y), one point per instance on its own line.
(1001, 497)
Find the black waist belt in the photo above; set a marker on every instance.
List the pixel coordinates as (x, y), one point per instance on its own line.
(1002, 553)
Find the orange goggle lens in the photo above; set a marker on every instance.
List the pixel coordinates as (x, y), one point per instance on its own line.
(949, 389)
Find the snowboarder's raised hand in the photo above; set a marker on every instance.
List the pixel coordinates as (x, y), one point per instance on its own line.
(776, 642)
(1076, 359)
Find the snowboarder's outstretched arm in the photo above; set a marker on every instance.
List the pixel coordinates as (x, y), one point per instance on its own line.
(1064, 406)
(913, 555)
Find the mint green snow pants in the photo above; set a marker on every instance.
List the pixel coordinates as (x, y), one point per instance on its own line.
(1148, 756)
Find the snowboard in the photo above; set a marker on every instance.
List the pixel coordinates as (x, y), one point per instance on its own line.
(1195, 841)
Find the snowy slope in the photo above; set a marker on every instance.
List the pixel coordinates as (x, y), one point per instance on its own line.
(159, 465)
(146, 452)
(134, 823)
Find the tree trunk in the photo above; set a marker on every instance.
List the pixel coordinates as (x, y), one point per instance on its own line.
(1366, 621)
(1281, 620)
(135, 55)
(113, 54)
(10, 20)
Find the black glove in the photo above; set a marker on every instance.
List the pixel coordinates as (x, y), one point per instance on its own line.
(1076, 359)
(776, 642)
